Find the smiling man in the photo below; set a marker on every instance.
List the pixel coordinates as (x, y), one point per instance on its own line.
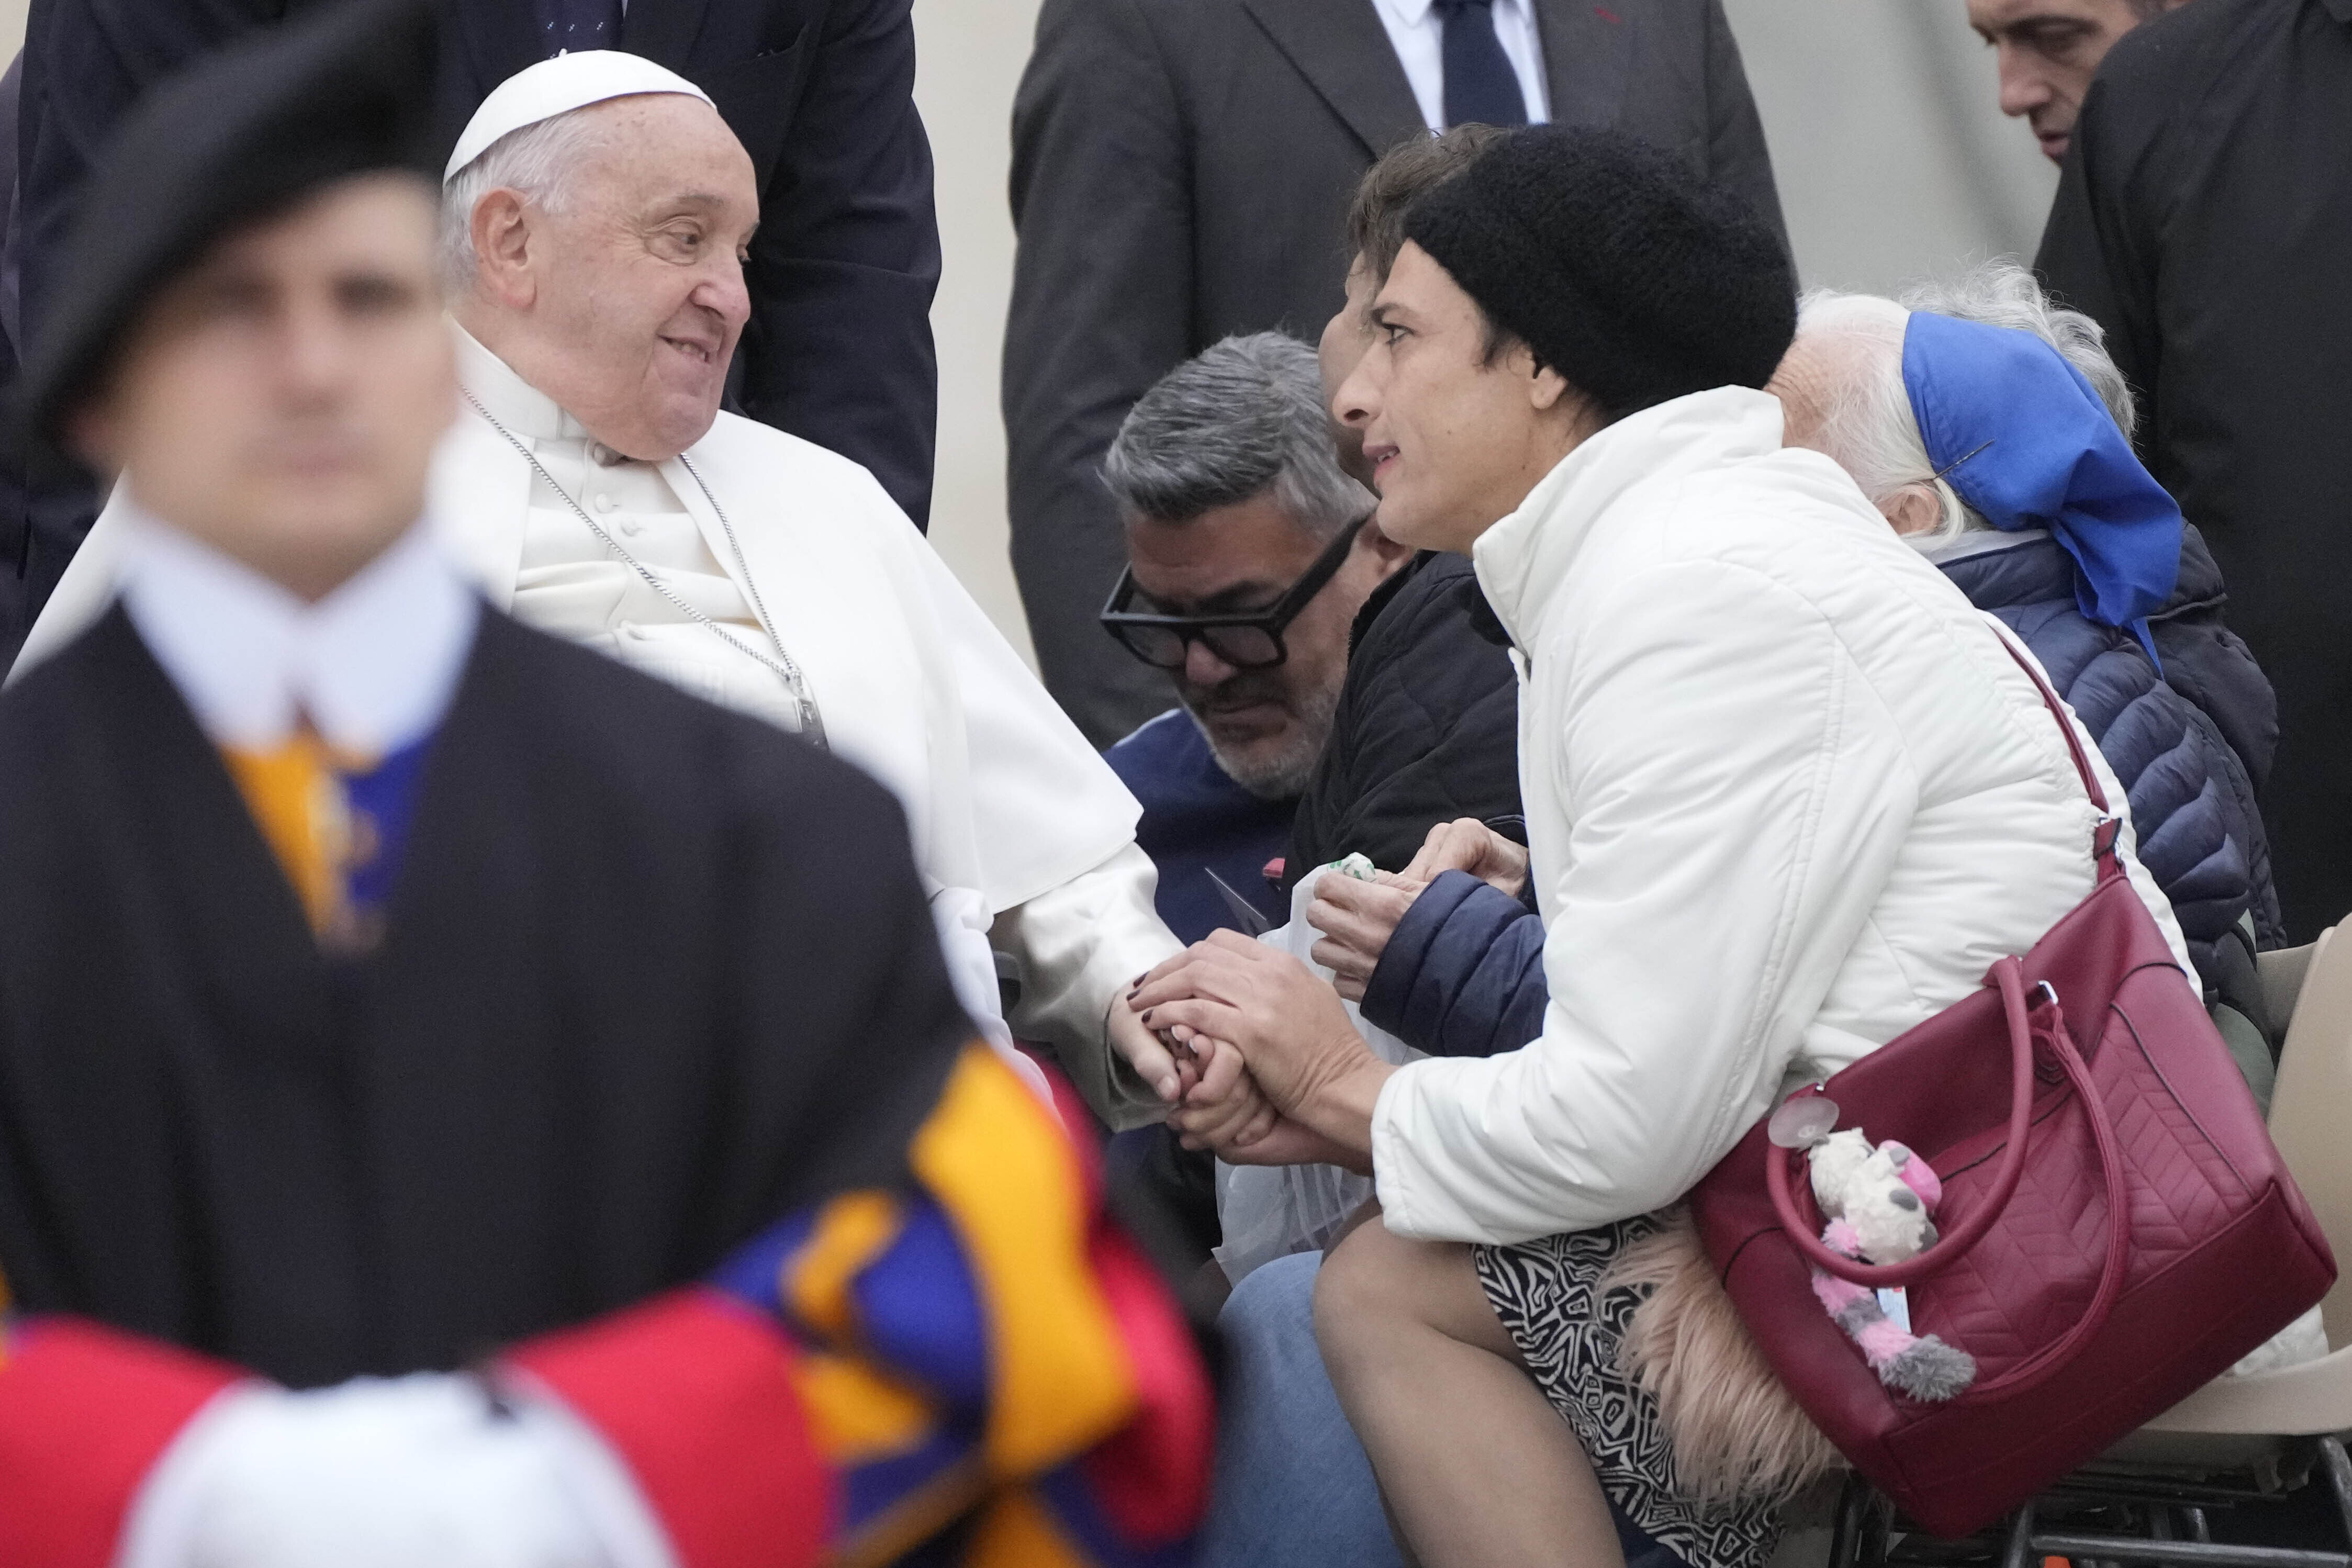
(594, 220)
(2049, 50)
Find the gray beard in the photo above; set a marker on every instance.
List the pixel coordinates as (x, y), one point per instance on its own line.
(1279, 772)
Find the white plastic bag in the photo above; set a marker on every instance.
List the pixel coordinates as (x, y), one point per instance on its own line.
(1272, 1210)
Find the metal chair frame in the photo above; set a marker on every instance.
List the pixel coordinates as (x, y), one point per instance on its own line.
(2104, 1516)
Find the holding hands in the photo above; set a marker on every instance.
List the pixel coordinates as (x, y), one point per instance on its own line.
(1254, 1053)
(1285, 1078)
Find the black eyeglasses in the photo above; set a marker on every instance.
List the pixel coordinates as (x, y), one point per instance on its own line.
(1246, 640)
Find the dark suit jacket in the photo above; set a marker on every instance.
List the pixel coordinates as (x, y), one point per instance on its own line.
(1181, 171)
(821, 91)
(654, 974)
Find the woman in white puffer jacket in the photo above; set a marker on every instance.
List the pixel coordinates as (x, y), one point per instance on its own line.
(1788, 794)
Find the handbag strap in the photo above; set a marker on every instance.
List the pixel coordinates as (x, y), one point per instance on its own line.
(2009, 977)
(2103, 837)
(2052, 1359)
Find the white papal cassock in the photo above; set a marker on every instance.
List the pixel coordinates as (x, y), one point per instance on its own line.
(1024, 836)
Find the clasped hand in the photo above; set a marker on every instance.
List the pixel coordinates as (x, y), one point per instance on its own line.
(1254, 1054)
(1277, 1053)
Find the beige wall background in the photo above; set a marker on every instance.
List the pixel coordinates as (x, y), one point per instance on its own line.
(1892, 159)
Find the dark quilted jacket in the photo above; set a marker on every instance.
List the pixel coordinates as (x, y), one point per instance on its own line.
(1462, 975)
(1427, 726)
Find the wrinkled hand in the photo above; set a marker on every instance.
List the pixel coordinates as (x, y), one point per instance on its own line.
(1356, 919)
(1466, 844)
(1227, 1110)
(1171, 1073)
(1289, 1025)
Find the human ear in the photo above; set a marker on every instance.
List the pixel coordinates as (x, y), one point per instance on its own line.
(1387, 554)
(501, 232)
(1913, 509)
(1547, 388)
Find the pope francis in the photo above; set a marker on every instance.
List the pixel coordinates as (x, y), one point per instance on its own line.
(594, 218)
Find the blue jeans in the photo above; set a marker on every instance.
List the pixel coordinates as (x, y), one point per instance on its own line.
(1293, 1487)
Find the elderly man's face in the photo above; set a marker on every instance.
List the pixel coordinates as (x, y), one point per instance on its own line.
(1266, 726)
(2049, 50)
(1456, 439)
(281, 399)
(630, 298)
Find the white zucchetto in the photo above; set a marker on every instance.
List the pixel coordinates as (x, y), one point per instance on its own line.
(558, 86)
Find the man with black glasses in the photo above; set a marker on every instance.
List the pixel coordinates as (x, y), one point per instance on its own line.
(1250, 551)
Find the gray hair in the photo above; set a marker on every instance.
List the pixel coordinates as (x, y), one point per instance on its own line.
(1245, 418)
(539, 159)
(1868, 425)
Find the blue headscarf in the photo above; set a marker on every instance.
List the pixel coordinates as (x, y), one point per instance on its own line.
(2018, 433)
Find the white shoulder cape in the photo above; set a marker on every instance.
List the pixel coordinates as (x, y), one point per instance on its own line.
(1003, 795)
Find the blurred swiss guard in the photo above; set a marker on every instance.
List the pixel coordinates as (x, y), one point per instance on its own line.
(595, 214)
(462, 1103)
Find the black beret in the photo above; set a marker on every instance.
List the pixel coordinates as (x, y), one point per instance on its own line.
(242, 134)
(1619, 265)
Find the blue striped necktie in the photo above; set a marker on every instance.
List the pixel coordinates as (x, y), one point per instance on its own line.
(1480, 86)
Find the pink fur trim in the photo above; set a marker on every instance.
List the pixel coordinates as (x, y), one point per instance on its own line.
(1882, 1341)
(1834, 1293)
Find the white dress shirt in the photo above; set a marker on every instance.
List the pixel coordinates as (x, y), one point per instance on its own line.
(1417, 33)
(372, 667)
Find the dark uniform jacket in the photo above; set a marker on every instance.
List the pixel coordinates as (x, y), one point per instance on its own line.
(653, 975)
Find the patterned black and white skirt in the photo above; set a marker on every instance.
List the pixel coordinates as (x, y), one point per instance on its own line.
(1548, 1295)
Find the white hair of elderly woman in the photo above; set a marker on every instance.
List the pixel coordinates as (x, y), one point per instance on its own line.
(538, 161)
(1867, 424)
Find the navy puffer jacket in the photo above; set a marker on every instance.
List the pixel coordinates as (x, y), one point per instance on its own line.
(1462, 975)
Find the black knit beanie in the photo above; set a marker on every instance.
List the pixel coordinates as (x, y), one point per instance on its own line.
(1622, 269)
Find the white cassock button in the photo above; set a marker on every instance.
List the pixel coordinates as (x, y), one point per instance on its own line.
(604, 503)
(630, 525)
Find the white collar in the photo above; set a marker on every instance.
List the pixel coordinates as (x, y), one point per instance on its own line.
(373, 666)
(512, 401)
(1409, 13)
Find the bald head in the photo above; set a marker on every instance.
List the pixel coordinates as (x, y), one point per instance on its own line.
(599, 254)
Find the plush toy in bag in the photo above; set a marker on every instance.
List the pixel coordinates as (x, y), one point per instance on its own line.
(1880, 1203)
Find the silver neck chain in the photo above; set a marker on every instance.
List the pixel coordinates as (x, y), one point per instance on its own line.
(812, 723)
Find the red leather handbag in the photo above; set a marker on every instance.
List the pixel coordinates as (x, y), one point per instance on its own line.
(2116, 1228)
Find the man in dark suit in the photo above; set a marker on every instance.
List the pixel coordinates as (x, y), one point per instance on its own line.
(1180, 170)
(820, 92)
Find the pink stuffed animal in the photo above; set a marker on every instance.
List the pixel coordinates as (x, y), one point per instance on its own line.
(1879, 1202)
